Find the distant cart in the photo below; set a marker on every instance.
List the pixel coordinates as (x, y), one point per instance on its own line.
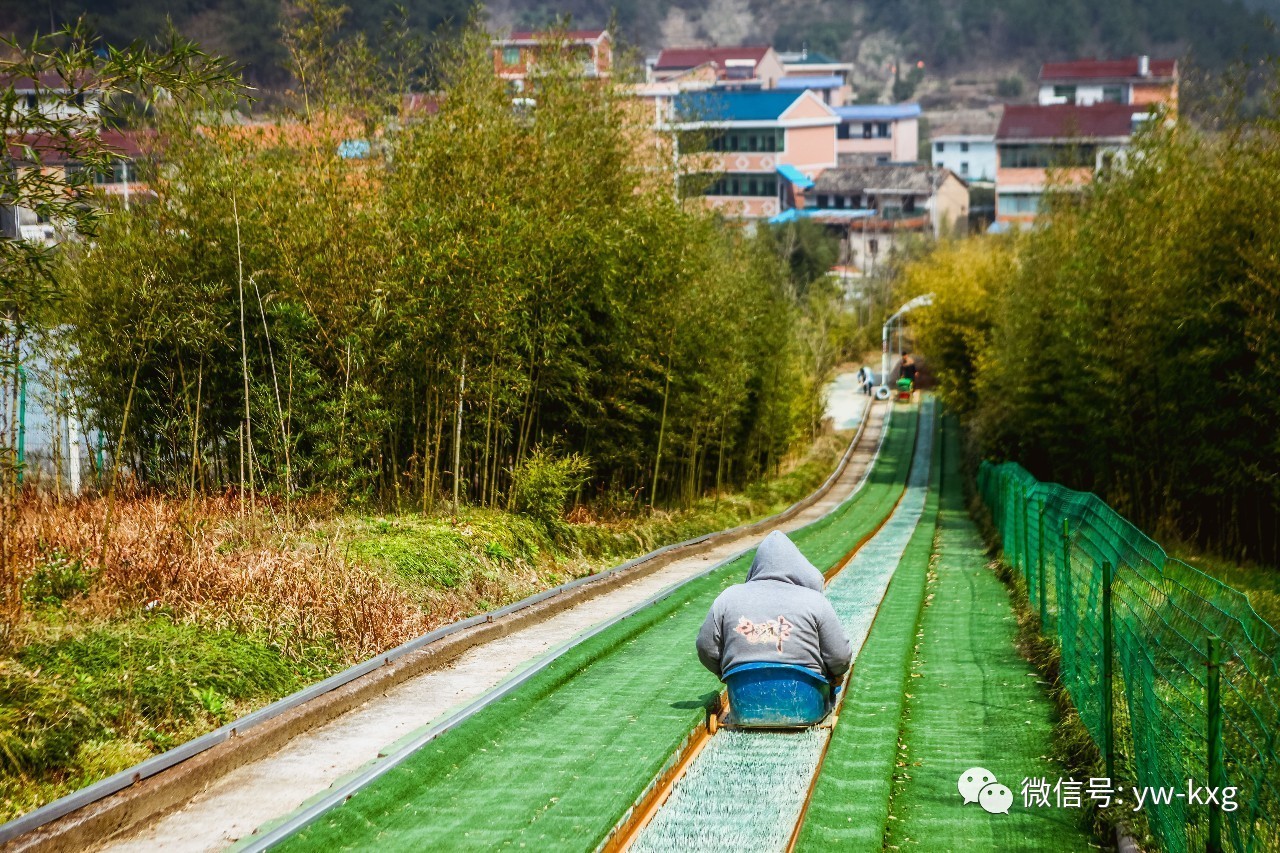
(904, 390)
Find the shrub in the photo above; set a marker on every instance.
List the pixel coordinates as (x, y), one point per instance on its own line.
(1009, 87)
(542, 483)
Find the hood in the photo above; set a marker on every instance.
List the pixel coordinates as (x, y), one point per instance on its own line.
(778, 559)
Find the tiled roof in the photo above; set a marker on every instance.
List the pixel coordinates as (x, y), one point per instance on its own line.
(52, 150)
(549, 35)
(720, 105)
(878, 112)
(1105, 69)
(677, 58)
(1067, 121)
(917, 178)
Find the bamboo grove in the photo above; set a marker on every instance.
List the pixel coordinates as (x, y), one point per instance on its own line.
(1130, 345)
(481, 285)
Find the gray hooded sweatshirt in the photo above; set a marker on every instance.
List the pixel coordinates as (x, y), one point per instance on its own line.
(778, 616)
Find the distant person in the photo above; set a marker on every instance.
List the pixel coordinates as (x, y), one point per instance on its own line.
(779, 615)
(867, 379)
(908, 368)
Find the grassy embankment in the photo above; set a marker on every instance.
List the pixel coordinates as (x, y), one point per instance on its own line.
(198, 615)
(1261, 584)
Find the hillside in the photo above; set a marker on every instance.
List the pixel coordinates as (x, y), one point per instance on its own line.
(950, 36)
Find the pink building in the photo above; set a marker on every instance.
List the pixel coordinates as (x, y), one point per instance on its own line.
(885, 133)
(759, 144)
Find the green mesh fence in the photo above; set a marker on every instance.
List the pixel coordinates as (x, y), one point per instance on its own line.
(1143, 680)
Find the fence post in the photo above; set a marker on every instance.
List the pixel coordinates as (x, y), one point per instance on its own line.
(1026, 541)
(1004, 506)
(1214, 703)
(22, 423)
(1044, 608)
(1108, 730)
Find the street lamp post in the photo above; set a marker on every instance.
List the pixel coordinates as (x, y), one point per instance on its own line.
(919, 302)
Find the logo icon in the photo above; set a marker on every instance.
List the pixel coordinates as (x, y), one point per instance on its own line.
(979, 785)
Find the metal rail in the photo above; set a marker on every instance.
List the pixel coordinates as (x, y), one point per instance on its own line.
(157, 764)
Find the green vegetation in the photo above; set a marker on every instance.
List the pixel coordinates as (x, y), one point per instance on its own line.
(1129, 346)
(559, 761)
(479, 305)
(1260, 584)
(80, 702)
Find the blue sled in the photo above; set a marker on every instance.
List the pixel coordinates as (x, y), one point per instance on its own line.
(776, 696)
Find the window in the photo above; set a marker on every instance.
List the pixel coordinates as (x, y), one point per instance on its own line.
(511, 56)
(839, 202)
(940, 147)
(1046, 156)
(1113, 94)
(1009, 203)
(823, 201)
(964, 168)
(882, 130)
(744, 185)
(873, 246)
(744, 140)
(964, 147)
(79, 99)
(866, 130)
(842, 132)
(1068, 92)
(31, 102)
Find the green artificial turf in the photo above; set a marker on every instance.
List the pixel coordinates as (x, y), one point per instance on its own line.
(974, 702)
(558, 763)
(850, 803)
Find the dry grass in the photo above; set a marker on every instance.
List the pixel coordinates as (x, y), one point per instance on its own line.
(203, 563)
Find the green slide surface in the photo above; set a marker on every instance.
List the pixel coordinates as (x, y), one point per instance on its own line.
(976, 703)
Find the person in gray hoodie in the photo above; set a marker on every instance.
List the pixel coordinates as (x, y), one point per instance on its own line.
(779, 615)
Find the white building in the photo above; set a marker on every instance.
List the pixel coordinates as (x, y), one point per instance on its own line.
(51, 97)
(971, 156)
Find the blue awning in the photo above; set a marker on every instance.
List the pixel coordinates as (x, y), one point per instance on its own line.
(794, 176)
(823, 214)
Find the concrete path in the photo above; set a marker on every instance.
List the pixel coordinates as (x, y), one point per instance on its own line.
(261, 791)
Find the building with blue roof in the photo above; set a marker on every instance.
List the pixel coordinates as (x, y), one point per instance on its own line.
(763, 146)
